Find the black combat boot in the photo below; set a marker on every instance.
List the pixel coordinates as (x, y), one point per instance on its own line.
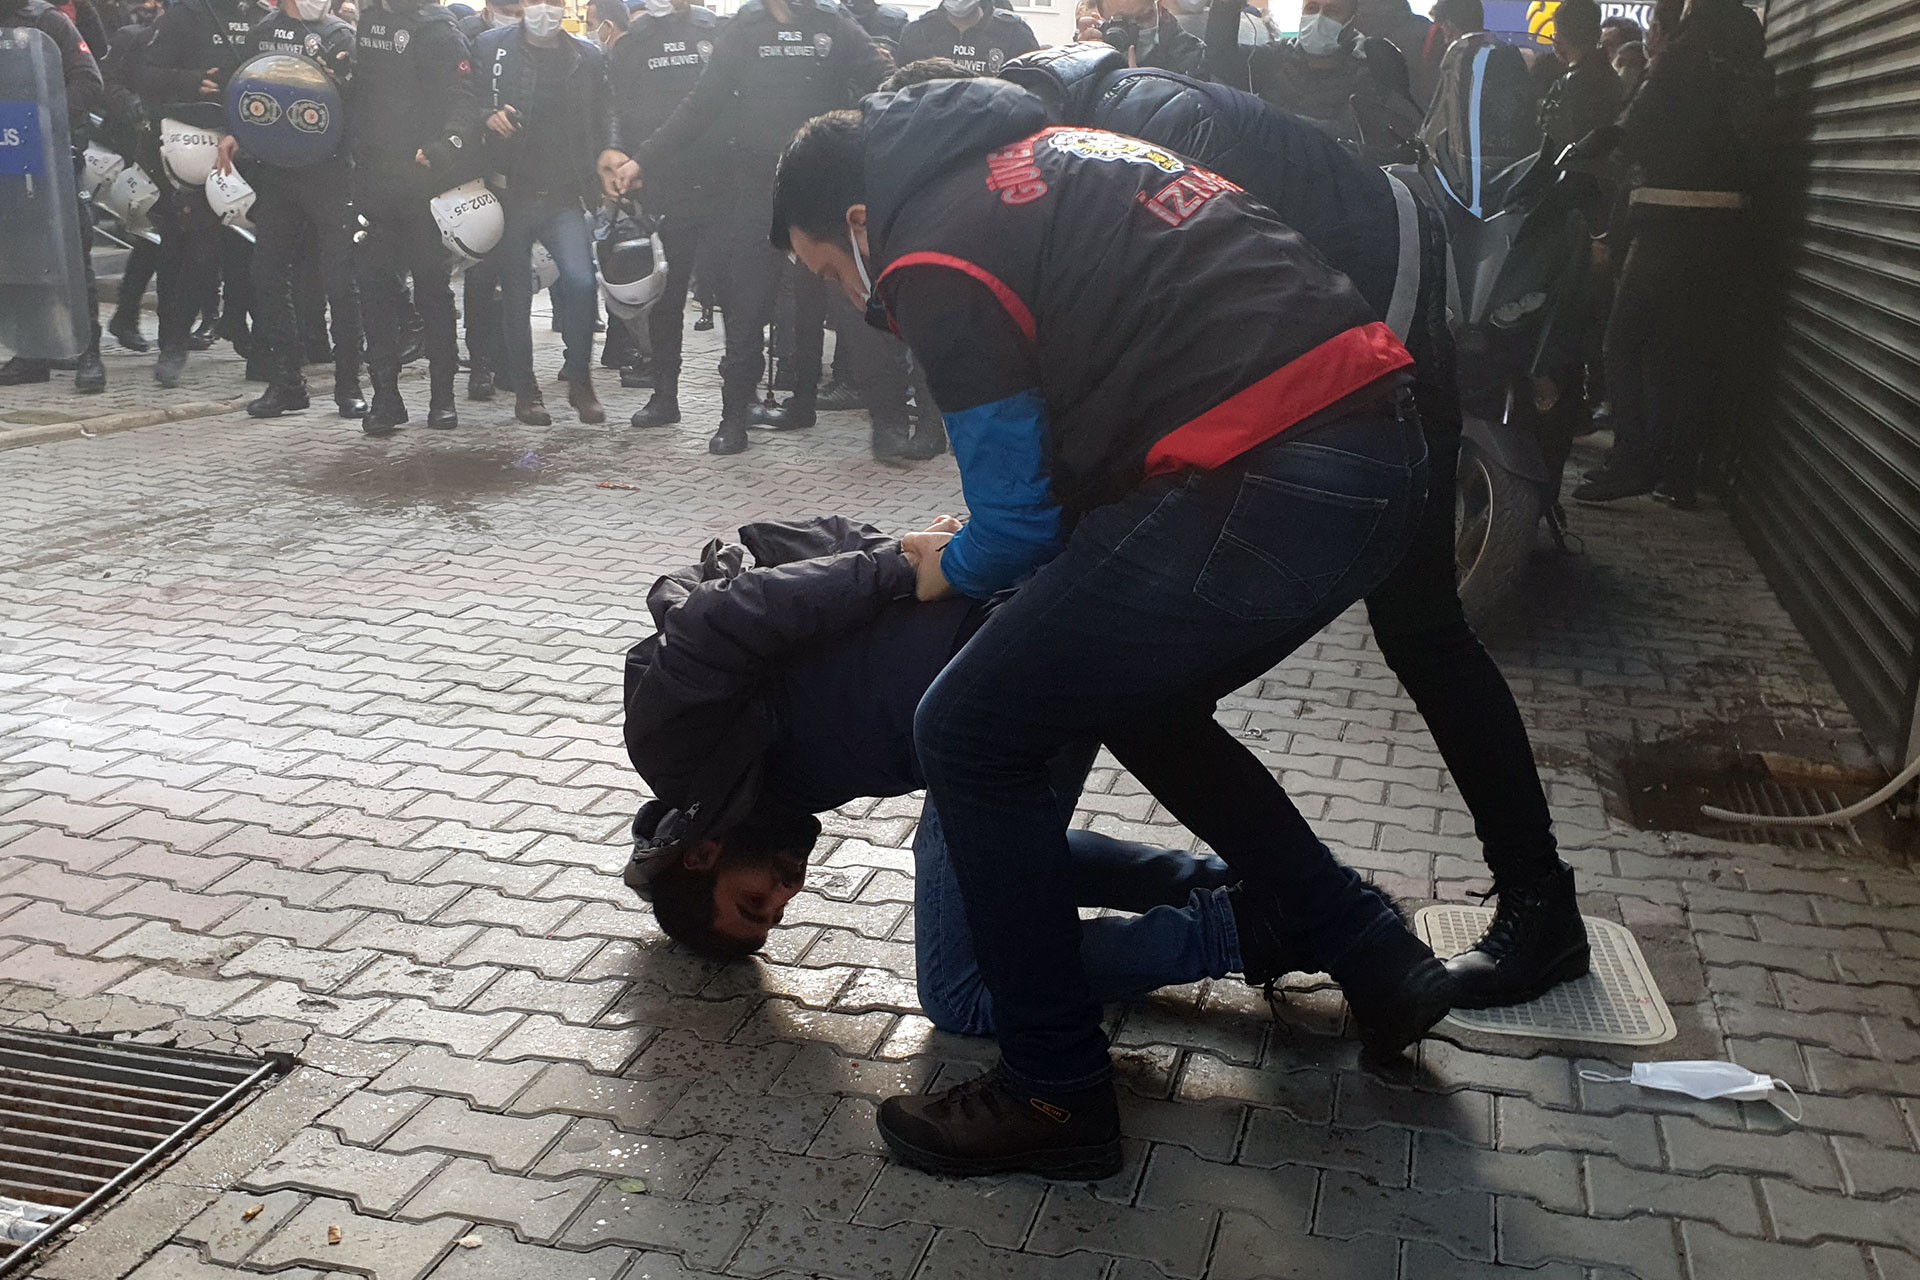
(891, 440)
(988, 1125)
(280, 397)
(1536, 942)
(347, 397)
(168, 368)
(663, 406)
(479, 382)
(388, 411)
(21, 371)
(441, 415)
(90, 374)
(735, 412)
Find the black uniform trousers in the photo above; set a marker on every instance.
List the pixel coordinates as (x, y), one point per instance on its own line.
(291, 205)
(400, 240)
(683, 233)
(189, 267)
(480, 314)
(748, 295)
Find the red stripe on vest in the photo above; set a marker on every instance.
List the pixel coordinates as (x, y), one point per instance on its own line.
(1009, 300)
(1339, 367)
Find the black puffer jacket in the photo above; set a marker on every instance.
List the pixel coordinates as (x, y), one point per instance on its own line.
(700, 708)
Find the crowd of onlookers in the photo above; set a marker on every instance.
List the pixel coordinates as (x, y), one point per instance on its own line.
(660, 121)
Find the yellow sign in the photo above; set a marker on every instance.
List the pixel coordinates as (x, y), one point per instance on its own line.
(1540, 19)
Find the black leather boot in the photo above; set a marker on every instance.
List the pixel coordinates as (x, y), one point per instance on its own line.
(441, 415)
(988, 1125)
(90, 375)
(735, 412)
(125, 328)
(663, 406)
(1536, 942)
(168, 368)
(388, 411)
(479, 382)
(797, 414)
(21, 371)
(891, 440)
(280, 397)
(1394, 985)
(346, 389)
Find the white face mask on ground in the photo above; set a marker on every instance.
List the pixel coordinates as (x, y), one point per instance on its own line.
(1320, 35)
(310, 10)
(542, 20)
(1707, 1081)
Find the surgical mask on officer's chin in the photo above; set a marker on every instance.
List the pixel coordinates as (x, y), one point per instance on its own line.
(960, 8)
(542, 20)
(1320, 35)
(860, 263)
(310, 10)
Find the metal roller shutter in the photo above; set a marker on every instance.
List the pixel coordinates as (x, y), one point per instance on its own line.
(1828, 482)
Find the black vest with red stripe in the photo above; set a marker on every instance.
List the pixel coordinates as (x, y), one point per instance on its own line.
(1176, 321)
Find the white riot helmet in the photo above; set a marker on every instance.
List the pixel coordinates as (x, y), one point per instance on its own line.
(230, 196)
(545, 269)
(98, 170)
(470, 219)
(188, 152)
(130, 197)
(633, 274)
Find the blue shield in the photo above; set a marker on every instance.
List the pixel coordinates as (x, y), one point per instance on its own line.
(284, 110)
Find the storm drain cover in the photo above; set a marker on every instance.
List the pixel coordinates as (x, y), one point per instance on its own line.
(1616, 1003)
(80, 1118)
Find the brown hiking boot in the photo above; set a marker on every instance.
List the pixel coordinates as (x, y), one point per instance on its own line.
(585, 403)
(988, 1126)
(530, 408)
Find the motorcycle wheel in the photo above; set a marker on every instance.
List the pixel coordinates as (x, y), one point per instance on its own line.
(1496, 517)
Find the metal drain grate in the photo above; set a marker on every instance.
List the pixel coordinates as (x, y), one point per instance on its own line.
(80, 1118)
(1616, 1003)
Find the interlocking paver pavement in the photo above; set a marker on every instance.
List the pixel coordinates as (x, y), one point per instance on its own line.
(310, 743)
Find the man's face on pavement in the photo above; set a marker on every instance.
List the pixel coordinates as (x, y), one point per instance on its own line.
(750, 894)
(833, 263)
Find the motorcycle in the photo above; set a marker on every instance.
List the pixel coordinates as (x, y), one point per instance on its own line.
(1519, 255)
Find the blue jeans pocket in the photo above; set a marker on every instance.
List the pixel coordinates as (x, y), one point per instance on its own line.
(1284, 548)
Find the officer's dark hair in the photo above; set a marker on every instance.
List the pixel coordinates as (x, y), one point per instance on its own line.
(1578, 22)
(614, 11)
(683, 897)
(1617, 23)
(1461, 15)
(925, 70)
(822, 174)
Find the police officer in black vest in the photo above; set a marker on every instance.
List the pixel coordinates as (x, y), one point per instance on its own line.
(291, 204)
(480, 282)
(971, 32)
(85, 90)
(196, 45)
(777, 64)
(414, 128)
(653, 67)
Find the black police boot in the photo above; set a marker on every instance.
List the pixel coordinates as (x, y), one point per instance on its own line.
(20, 371)
(479, 382)
(1536, 942)
(735, 413)
(929, 441)
(705, 323)
(346, 389)
(797, 414)
(90, 375)
(1395, 987)
(280, 397)
(440, 411)
(891, 440)
(202, 337)
(634, 377)
(663, 406)
(989, 1125)
(125, 328)
(388, 411)
(167, 370)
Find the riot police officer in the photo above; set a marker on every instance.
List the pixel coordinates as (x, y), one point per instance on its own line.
(652, 69)
(196, 45)
(293, 198)
(84, 93)
(414, 129)
(971, 32)
(775, 66)
(480, 282)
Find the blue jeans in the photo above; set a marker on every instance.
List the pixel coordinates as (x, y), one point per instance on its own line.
(1160, 604)
(1183, 931)
(558, 223)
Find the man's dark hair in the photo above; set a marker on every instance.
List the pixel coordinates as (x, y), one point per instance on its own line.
(1461, 15)
(822, 174)
(1617, 23)
(1578, 22)
(614, 11)
(925, 70)
(683, 897)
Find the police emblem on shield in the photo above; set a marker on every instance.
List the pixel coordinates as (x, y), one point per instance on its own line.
(705, 50)
(258, 108)
(823, 43)
(401, 39)
(309, 116)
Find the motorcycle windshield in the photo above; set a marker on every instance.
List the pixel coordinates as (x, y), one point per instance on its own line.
(1484, 121)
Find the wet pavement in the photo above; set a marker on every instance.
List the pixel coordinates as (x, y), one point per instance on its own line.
(311, 745)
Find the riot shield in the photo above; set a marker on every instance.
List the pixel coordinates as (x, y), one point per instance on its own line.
(43, 283)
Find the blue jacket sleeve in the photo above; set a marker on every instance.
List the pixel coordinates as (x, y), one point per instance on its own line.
(1015, 524)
